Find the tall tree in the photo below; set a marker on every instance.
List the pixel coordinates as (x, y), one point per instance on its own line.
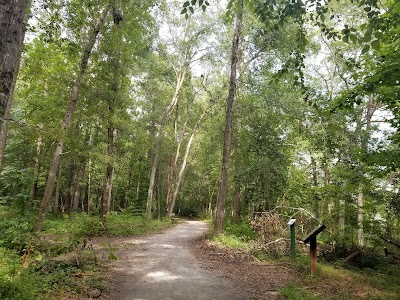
(13, 16)
(67, 119)
(223, 185)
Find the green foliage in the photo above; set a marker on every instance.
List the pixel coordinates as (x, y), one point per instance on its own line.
(80, 225)
(237, 236)
(15, 228)
(126, 225)
(242, 231)
(27, 268)
(15, 283)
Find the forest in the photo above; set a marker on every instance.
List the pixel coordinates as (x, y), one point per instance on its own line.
(243, 112)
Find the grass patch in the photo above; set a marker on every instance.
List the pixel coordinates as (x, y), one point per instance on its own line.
(294, 292)
(236, 236)
(116, 224)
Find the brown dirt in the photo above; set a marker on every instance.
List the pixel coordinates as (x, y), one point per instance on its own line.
(258, 279)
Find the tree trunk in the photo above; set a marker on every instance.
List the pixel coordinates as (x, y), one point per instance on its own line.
(171, 206)
(68, 190)
(36, 169)
(86, 198)
(360, 216)
(78, 187)
(108, 181)
(179, 82)
(236, 204)
(79, 178)
(171, 172)
(342, 216)
(315, 185)
(57, 198)
(138, 181)
(223, 186)
(66, 123)
(371, 107)
(13, 17)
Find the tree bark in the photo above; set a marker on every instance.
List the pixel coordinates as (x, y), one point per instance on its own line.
(360, 216)
(78, 188)
(68, 190)
(13, 17)
(108, 181)
(185, 158)
(79, 178)
(236, 204)
(57, 198)
(171, 172)
(371, 107)
(86, 199)
(223, 186)
(315, 185)
(36, 169)
(342, 216)
(179, 82)
(67, 120)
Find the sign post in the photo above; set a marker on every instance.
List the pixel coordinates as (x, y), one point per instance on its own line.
(291, 223)
(312, 239)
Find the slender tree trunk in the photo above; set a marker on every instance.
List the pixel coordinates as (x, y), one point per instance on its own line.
(138, 181)
(57, 198)
(179, 82)
(13, 18)
(127, 191)
(79, 178)
(78, 187)
(171, 173)
(371, 107)
(67, 120)
(86, 199)
(342, 218)
(36, 170)
(68, 190)
(223, 186)
(108, 181)
(315, 185)
(185, 158)
(236, 204)
(360, 216)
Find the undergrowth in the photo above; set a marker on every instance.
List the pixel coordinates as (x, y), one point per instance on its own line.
(237, 236)
(57, 261)
(371, 276)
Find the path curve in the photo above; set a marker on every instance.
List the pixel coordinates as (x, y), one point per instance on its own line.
(162, 266)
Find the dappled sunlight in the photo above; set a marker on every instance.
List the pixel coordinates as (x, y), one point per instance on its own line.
(137, 242)
(162, 276)
(168, 246)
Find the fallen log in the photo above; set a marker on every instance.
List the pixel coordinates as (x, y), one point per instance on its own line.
(352, 256)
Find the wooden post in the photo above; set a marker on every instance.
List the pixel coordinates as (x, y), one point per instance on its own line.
(291, 223)
(313, 255)
(312, 239)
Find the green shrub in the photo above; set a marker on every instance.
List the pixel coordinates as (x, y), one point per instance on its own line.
(14, 283)
(242, 231)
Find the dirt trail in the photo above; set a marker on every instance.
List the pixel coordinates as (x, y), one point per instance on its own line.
(162, 266)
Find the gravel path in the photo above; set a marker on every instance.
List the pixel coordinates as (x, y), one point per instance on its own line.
(162, 266)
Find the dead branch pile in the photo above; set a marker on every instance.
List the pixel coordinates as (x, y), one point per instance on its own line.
(274, 236)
